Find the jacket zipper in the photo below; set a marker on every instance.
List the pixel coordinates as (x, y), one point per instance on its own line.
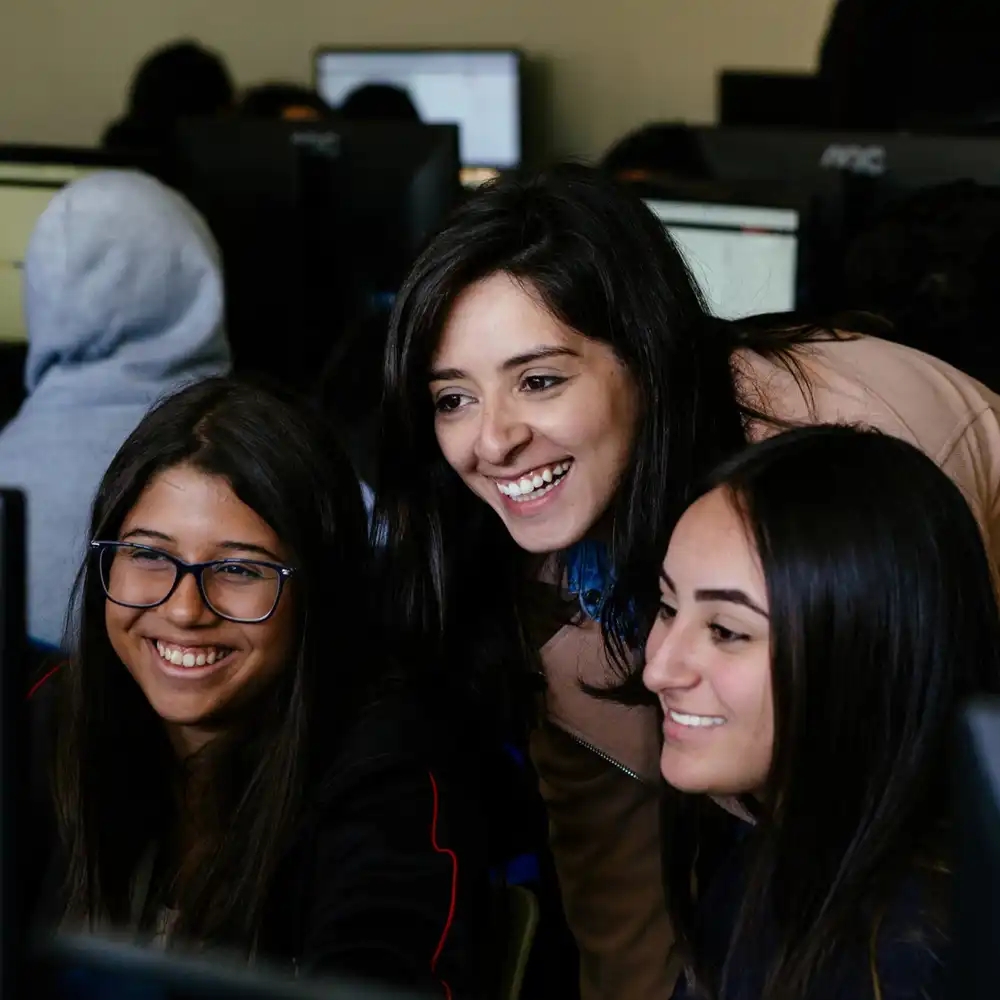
(607, 757)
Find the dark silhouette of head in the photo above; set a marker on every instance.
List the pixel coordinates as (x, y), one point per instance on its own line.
(379, 102)
(284, 101)
(179, 80)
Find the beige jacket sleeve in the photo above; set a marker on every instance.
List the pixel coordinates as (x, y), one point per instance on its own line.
(973, 463)
(604, 825)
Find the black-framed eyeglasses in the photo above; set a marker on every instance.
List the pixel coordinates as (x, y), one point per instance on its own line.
(246, 591)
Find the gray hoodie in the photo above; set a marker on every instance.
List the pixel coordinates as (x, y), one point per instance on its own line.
(123, 304)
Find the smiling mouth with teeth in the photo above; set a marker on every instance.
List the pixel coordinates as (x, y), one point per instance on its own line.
(535, 484)
(695, 721)
(191, 656)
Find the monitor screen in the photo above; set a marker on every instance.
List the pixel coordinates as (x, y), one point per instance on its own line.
(478, 90)
(744, 258)
(25, 190)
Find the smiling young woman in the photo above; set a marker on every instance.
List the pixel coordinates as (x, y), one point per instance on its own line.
(825, 610)
(554, 393)
(237, 763)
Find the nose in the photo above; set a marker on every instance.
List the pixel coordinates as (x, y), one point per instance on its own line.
(185, 608)
(670, 665)
(502, 432)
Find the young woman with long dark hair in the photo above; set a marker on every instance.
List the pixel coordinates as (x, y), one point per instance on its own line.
(235, 765)
(825, 609)
(554, 391)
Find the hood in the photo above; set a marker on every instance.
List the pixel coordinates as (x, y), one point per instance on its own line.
(123, 294)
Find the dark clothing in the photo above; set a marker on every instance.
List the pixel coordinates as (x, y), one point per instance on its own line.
(911, 959)
(386, 874)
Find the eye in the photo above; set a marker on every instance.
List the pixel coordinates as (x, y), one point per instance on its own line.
(666, 613)
(148, 556)
(722, 634)
(448, 402)
(539, 383)
(241, 571)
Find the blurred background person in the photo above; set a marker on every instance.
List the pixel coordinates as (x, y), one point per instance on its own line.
(123, 304)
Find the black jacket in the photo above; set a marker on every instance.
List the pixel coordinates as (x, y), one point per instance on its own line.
(386, 874)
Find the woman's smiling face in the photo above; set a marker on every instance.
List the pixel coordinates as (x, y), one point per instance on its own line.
(536, 418)
(196, 669)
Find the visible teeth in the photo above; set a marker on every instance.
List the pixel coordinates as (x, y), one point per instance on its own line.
(189, 658)
(695, 720)
(538, 481)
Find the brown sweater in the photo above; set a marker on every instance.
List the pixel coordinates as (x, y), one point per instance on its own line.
(603, 797)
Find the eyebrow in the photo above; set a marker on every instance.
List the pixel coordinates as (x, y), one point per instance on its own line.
(527, 358)
(730, 596)
(230, 546)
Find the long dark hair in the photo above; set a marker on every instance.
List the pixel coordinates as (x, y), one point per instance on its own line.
(883, 620)
(605, 266)
(114, 770)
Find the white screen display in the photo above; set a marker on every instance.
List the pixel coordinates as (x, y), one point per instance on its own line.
(478, 91)
(744, 258)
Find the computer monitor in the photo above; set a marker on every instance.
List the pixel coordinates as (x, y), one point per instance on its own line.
(477, 89)
(977, 853)
(907, 162)
(29, 177)
(771, 99)
(318, 224)
(743, 257)
(861, 175)
(88, 967)
(13, 758)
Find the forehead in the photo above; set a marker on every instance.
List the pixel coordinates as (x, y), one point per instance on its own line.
(711, 547)
(497, 318)
(189, 504)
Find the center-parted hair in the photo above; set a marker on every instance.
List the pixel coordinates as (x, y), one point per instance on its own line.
(114, 769)
(883, 621)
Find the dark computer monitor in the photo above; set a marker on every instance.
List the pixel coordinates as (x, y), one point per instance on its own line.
(318, 223)
(13, 763)
(763, 99)
(477, 89)
(977, 853)
(860, 175)
(87, 967)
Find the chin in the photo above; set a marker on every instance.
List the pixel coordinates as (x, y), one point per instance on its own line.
(541, 539)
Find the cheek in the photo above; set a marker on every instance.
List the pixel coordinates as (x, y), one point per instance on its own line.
(275, 639)
(746, 693)
(455, 439)
(118, 622)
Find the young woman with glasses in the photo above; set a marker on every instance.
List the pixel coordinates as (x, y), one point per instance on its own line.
(234, 765)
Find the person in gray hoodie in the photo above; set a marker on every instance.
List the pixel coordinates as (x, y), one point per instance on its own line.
(123, 305)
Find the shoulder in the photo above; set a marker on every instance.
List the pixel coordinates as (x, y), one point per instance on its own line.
(887, 386)
(913, 954)
(855, 377)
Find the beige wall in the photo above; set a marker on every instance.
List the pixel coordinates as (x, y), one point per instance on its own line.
(607, 66)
